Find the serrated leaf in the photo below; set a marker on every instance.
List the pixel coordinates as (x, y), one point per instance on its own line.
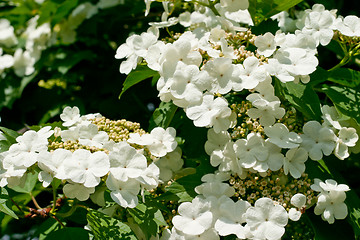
(163, 115)
(140, 74)
(304, 99)
(105, 227)
(4, 202)
(263, 9)
(345, 76)
(69, 233)
(346, 99)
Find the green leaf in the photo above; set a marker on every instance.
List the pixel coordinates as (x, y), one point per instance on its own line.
(48, 226)
(10, 138)
(105, 227)
(303, 98)
(140, 74)
(5, 202)
(346, 99)
(63, 10)
(163, 115)
(69, 233)
(263, 9)
(30, 182)
(149, 219)
(345, 76)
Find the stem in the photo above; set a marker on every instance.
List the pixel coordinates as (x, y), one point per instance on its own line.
(62, 225)
(343, 62)
(210, 5)
(18, 207)
(54, 197)
(35, 202)
(70, 212)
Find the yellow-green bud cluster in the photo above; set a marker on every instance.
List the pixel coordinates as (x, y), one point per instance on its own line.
(292, 121)
(245, 125)
(275, 185)
(72, 146)
(118, 130)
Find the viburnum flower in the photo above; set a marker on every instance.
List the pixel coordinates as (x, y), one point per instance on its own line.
(159, 141)
(251, 74)
(279, 135)
(221, 73)
(10, 176)
(6, 61)
(89, 135)
(330, 202)
(123, 193)
(25, 151)
(348, 26)
(265, 44)
(52, 165)
(250, 150)
(23, 63)
(232, 216)
(194, 217)
(299, 201)
(274, 68)
(70, 116)
(78, 191)
(266, 219)
(126, 162)
(214, 187)
(209, 111)
(266, 111)
(86, 168)
(294, 162)
(319, 23)
(169, 164)
(7, 36)
(317, 140)
(297, 61)
(347, 138)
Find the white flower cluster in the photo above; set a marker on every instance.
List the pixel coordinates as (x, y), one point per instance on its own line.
(201, 66)
(124, 167)
(38, 38)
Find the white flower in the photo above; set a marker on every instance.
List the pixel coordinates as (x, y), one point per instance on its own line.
(221, 73)
(279, 135)
(320, 24)
(347, 138)
(123, 192)
(25, 151)
(349, 26)
(7, 36)
(163, 141)
(330, 203)
(52, 165)
(23, 63)
(79, 191)
(266, 111)
(12, 174)
(126, 162)
(215, 188)
(209, 112)
(195, 217)
(169, 164)
(251, 74)
(266, 219)
(6, 61)
(265, 44)
(317, 140)
(86, 168)
(232, 217)
(149, 178)
(294, 162)
(90, 136)
(70, 116)
(216, 141)
(297, 61)
(250, 150)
